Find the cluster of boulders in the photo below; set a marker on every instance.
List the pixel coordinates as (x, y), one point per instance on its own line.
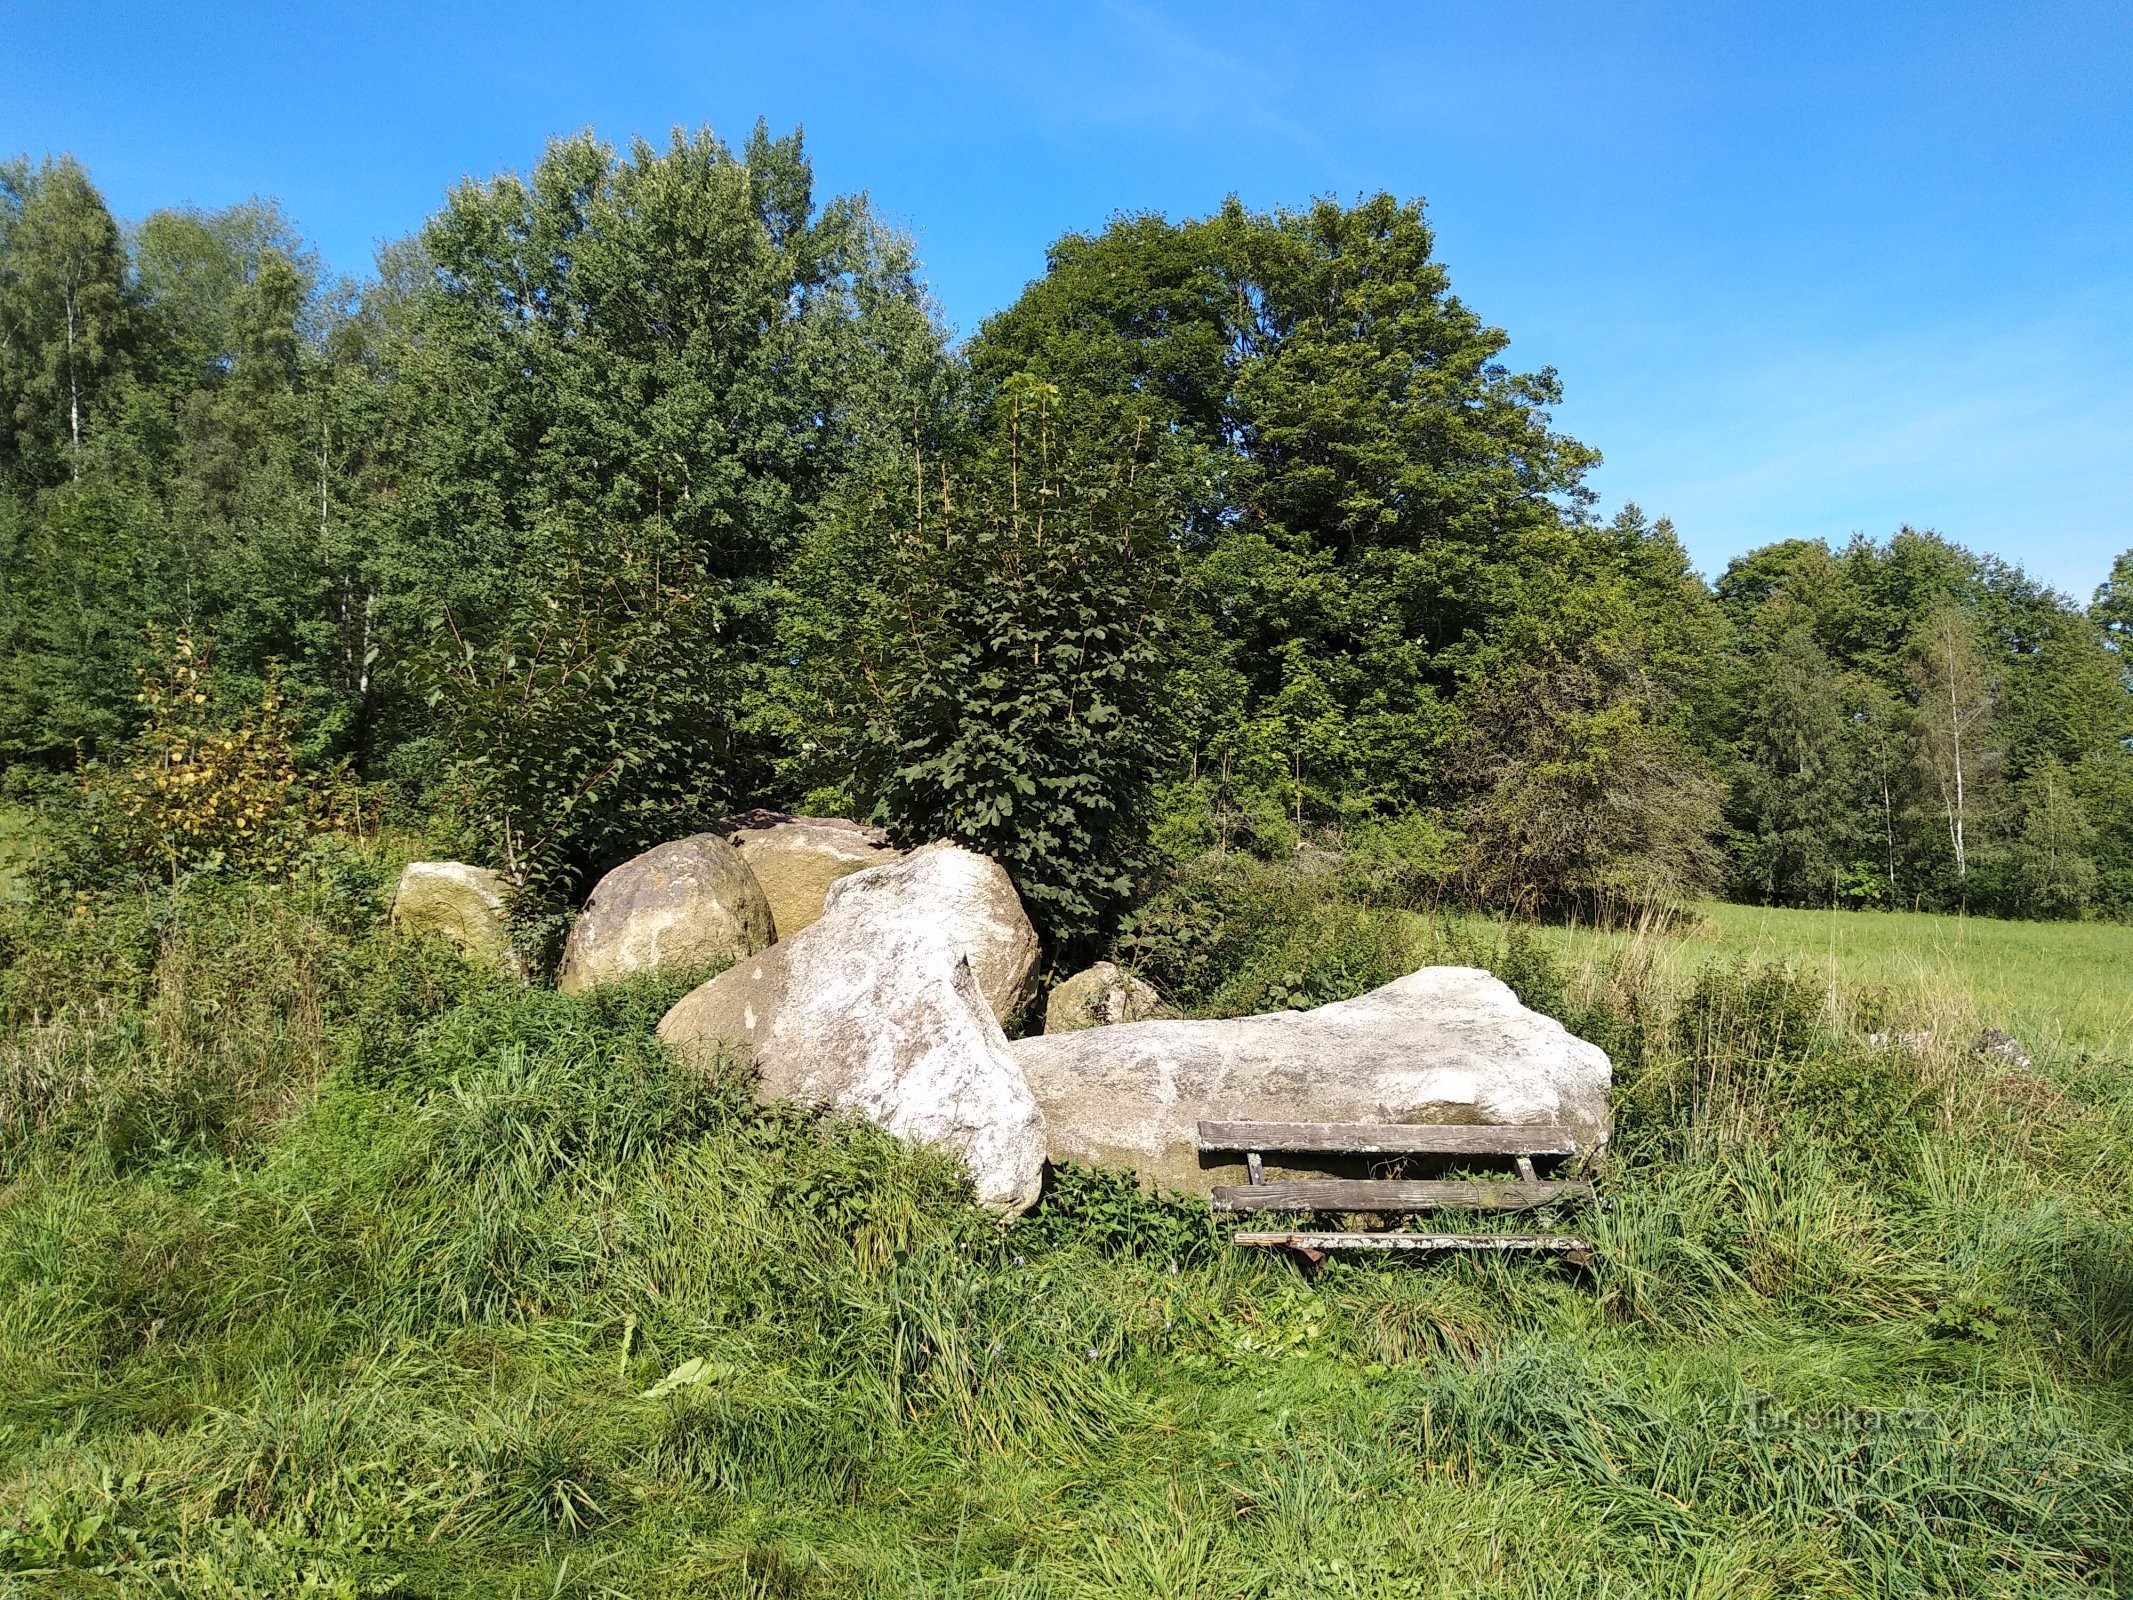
(882, 983)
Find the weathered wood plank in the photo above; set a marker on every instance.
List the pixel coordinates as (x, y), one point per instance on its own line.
(1371, 1194)
(1559, 1243)
(1393, 1138)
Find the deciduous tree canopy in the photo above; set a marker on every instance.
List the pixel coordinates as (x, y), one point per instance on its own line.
(644, 486)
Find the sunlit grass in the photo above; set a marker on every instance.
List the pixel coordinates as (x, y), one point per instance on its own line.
(329, 1266)
(2059, 987)
(14, 848)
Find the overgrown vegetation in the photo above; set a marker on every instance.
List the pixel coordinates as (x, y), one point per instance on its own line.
(329, 1265)
(1231, 590)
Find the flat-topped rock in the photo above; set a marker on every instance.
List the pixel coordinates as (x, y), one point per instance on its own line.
(1445, 1044)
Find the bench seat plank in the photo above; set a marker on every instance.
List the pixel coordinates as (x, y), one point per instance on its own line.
(1393, 1138)
(1559, 1243)
(1377, 1194)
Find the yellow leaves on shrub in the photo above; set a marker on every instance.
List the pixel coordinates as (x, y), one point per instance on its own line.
(198, 785)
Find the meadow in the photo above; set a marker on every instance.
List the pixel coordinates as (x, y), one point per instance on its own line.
(2059, 987)
(328, 1266)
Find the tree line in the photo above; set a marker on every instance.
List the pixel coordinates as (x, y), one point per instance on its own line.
(647, 486)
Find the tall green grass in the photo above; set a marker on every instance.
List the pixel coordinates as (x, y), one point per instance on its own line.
(328, 1266)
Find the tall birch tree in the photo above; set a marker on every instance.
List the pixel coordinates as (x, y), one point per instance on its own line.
(1957, 696)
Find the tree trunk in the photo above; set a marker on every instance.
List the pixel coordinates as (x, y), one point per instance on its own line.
(73, 388)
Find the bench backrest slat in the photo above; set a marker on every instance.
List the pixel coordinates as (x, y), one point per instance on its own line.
(1394, 1138)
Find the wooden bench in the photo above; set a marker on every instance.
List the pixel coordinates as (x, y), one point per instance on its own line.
(1522, 1143)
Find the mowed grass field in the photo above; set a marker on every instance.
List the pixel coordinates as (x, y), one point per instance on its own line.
(2062, 988)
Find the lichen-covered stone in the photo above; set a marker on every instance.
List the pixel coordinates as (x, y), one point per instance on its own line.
(464, 904)
(691, 903)
(1098, 996)
(796, 859)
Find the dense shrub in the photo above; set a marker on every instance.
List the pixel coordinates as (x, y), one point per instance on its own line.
(1231, 935)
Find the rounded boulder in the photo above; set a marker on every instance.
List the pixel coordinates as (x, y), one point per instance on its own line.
(796, 859)
(692, 903)
(967, 896)
(1098, 996)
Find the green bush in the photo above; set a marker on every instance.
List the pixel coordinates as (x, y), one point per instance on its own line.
(1231, 935)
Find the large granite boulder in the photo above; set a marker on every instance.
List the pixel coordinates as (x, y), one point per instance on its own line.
(691, 903)
(878, 1010)
(1097, 997)
(796, 859)
(970, 898)
(463, 904)
(1445, 1044)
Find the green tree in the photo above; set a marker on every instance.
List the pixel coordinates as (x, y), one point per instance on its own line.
(1579, 792)
(673, 352)
(2112, 608)
(1361, 479)
(576, 741)
(67, 314)
(1011, 665)
(2052, 873)
(1795, 788)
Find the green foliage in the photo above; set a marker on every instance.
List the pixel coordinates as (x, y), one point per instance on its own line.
(1013, 666)
(576, 744)
(1916, 725)
(1580, 794)
(205, 786)
(1111, 1213)
(1297, 559)
(1359, 475)
(631, 383)
(1795, 779)
(2112, 606)
(1231, 936)
(66, 318)
(2051, 870)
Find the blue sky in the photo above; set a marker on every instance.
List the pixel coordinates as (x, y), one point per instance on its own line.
(1805, 269)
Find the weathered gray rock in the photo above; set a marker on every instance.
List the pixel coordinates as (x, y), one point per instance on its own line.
(1445, 1044)
(461, 903)
(1097, 997)
(796, 859)
(970, 899)
(877, 1010)
(1997, 1044)
(690, 903)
